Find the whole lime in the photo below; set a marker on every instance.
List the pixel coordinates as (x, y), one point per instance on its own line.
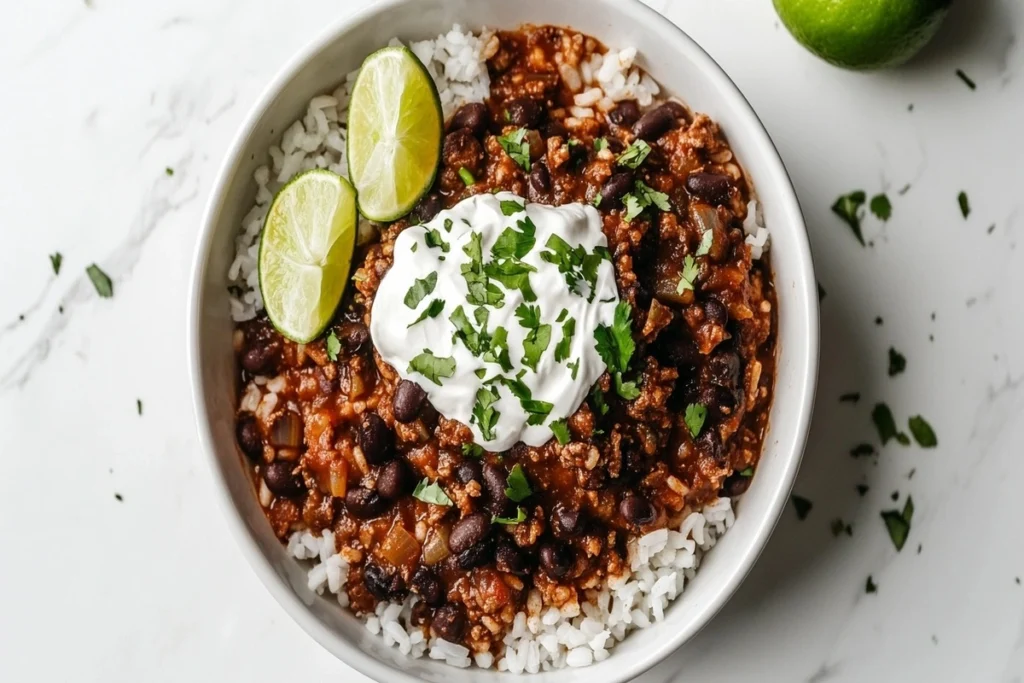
(863, 34)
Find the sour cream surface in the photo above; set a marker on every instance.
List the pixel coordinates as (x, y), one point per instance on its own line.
(463, 274)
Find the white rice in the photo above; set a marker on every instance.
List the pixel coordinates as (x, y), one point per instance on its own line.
(661, 563)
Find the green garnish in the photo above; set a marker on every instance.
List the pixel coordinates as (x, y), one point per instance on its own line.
(597, 396)
(513, 274)
(626, 390)
(862, 489)
(966, 79)
(560, 428)
(55, 260)
(802, 506)
(694, 417)
(414, 247)
(690, 272)
(575, 264)
(138, 406)
(480, 372)
(870, 586)
(642, 197)
(431, 492)
(518, 486)
(498, 351)
(476, 342)
(467, 176)
(565, 345)
(965, 206)
(705, 243)
(923, 433)
(747, 472)
(509, 207)
(886, 425)
(432, 310)
(420, 289)
(848, 208)
(634, 154)
(169, 171)
(839, 526)
(484, 414)
(538, 338)
(573, 368)
(449, 224)
(516, 147)
(897, 362)
(881, 207)
(862, 449)
(615, 344)
(596, 201)
(852, 397)
(515, 244)
(432, 367)
(482, 292)
(333, 346)
(600, 144)
(510, 521)
(433, 238)
(472, 450)
(101, 281)
(897, 523)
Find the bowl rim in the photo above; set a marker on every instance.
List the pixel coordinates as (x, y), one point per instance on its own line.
(805, 364)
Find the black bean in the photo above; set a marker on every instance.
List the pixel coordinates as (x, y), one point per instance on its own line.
(472, 116)
(429, 587)
(637, 510)
(616, 146)
(364, 503)
(654, 123)
(375, 439)
(467, 471)
(718, 399)
(555, 129)
(428, 207)
(710, 187)
(449, 622)
(462, 150)
(540, 179)
(353, 313)
(262, 356)
(557, 559)
(510, 559)
(676, 109)
(248, 434)
(709, 443)
(469, 531)
(382, 584)
(354, 337)
(715, 312)
(523, 112)
(477, 556)
(283, 479)
(566, 521)
(495, 483)
(735, 485)
(408, 401)
(616, 187)
(394, 480)
(724, 368)
(625, 113)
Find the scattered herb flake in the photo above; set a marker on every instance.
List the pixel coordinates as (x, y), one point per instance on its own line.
(482, 292)
(966, 79)
(642, 197)
(886, 425)
(838, 527)
(690, 271)
(574, 367)
(472, 450)
(333, 345)
(694, 417)
(467, 176)
(897, 362)
(600, 144)
(433, 238)
(747, 472)
(851, 397)
(634, 155)
(575, 264)
(512, 244)
(881, 207)
(922, 432)
(414, 247)
(511, 521)
(432, 310)
(431, 492)
(596, 201)
(516, 147)
(965, 205)
(119, 497)
(138, 406)
(432, 367)
(897, 523)
(420, 289)
(101, 281)
(484, 413)
(169, 171)
(565, 345)
(862, 490)
(705, 243)
(626, 390)
(802, 506)
(615, 344)
(518, 488)
(848, 207)
(498, 349)
(861, 450)
(597, 396)
(560, 428)
(55, 260)
(510, 207)
(870, 586)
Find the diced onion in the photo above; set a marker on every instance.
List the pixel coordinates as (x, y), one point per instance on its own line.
(436, 547)
(287, 431)
(400, 548)
(339, 478)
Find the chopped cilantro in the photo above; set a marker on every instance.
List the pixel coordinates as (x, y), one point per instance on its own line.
(561, 315)
(897, 523)
(55, 260)
(518, 488)
(852, 397)
(513, 274)
(965, 205)
(509, 207)
(634, 154)
(476, 342)
(966, 79)
(747, 472)
(802, 506)
(695, 415)
(138, 406)
(596, 201)
(862, 450)
(560, 428)
(848, 208)
(482, 292)
(537, 339)
(690, 271)
(414, 247)
(862, 490)
(538, 411)
(431, 492)
(600, 144)
(575, 264)
(565, 345)
(516, 147)
(485, 415)
(615, 344)
(433, 238)
(881, 207)
(923, 433)
(432, 310)
(449, 224)
(597, 396)
(574, 367)
(169, 171)
(870, 586)
(642, 197)
(480, 372)
(838, 526)
(101, 281)
(897, 362)
(513, 244)
(467, 176)
(498, 351)
(420, 289)
(333, 346)
(626, 390)
(471, 450)
(705, 243)
(432, 367)
(510, 521)
(886, 425)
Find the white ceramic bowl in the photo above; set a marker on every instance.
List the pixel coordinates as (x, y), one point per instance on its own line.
(682, 68)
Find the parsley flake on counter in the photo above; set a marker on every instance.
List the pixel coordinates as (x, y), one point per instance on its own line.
(886, 425)
(600, 144)
(484, 413)
(966, 79)
(965, 205)
(421, 288)
(431, 492)
(101, 281)
(706, 241)
(333, 345)
(565, 345)
(690, 271)
(851, 397)
(870, 586)
(518, 488)
(510, 521)
(509, 207)
(433, 239)
(848, 207)
(472, 450)
(55, 260)
(897, 362)
(802, 506)
(516, 147)
(642, 197)
(881, 207)
(897, 523)
(862, 450)
(560, 428)
(432, 367)
(838, 526)
(467, 176)
(634, 155)
(432, 310)
(922, 432)
(694, 417)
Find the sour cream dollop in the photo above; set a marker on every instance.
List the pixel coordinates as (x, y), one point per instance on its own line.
(491, 308)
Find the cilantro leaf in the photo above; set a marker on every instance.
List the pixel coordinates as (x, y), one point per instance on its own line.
(695, 415)
(420, 289)
(509, 207)
(923, 433)
(529, 316)
(600, 144)
(538, 411)
(333, 346)
(747, 472)
(449, 224)
(634, 155)
(431, 492)
(432, 367)
(476, 342)
(55, 260)
(498, 351)
(482, 292)
(433, 239)
(881, 207)
(897, 523)
(432, 310)
(560, 428)
(574, 367)
(510, 521)
(515, 244)
(862, 449)
(965, 205)
(642, 197)
(518, 488)
(802, 506)
(101, 281)
(870, 586)
(897, 362)
(565, 345)
(615, 344)
(535, 344)
(626, 390)
(467, 176)
(516, 147)
(485, 415)
(689, 274)
(575, 263)
(848, 208)
(471, 450)
(597, 396)
(886, 425)
(706, 241)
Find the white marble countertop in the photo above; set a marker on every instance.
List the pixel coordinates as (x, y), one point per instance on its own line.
(101, 97)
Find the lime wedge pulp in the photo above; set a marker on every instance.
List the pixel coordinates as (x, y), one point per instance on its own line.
(395, 126)
(306, 253)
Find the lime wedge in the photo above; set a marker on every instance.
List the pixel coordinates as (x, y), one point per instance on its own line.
(306, 253)
(394, 133)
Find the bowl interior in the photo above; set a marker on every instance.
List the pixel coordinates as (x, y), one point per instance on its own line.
(684, 70)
